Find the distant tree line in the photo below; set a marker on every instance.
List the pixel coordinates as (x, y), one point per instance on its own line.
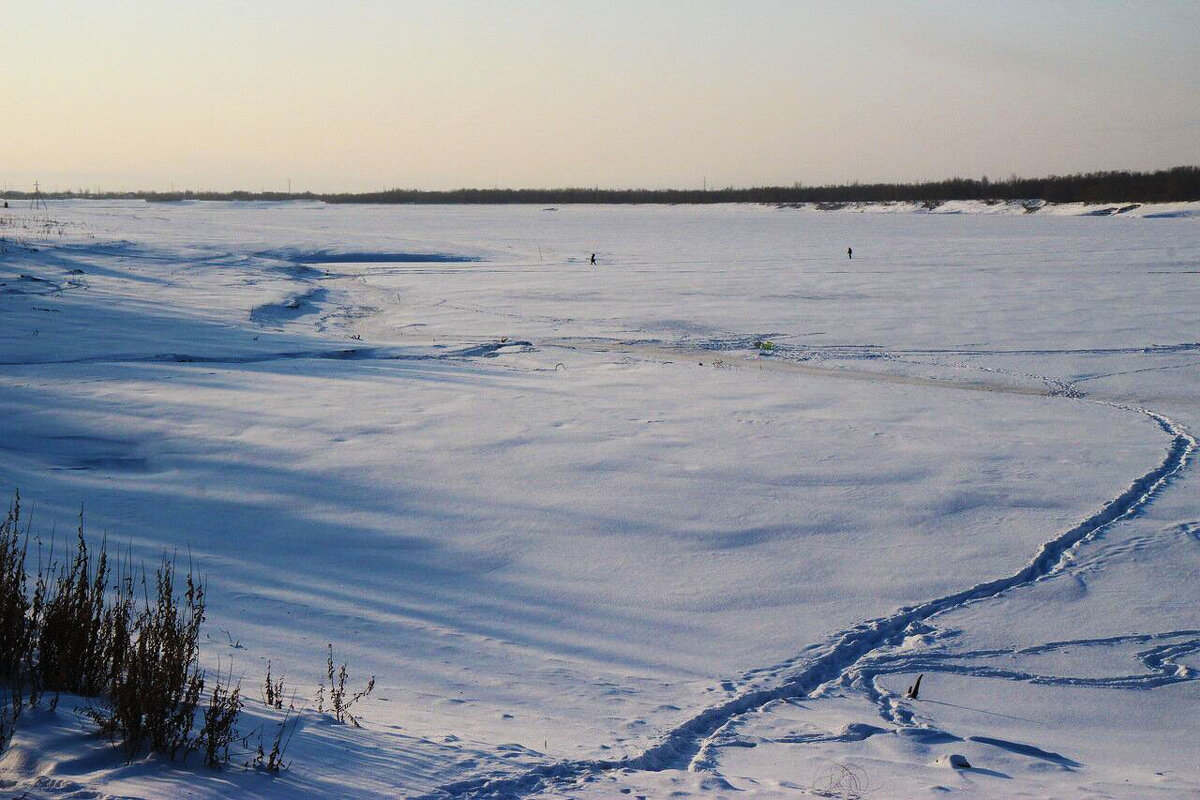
(1177, 184)
(1168, 185)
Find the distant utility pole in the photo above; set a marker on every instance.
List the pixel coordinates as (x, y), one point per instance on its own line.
(37, 197)
(289, 185)
(706, 183)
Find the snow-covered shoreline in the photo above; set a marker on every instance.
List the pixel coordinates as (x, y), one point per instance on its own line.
(1180, 210)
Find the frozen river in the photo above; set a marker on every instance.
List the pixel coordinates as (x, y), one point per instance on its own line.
(687, 520)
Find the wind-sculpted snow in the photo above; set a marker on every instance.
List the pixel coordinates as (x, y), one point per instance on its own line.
(687, 745)
(684, 522)
(484, 350)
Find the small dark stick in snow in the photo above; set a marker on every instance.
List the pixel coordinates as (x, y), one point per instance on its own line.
(915, 689)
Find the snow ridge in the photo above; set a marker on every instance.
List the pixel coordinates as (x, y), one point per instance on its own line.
(690, 745)
(485, 350)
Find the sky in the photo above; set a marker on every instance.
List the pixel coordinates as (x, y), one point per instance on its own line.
(437, 94)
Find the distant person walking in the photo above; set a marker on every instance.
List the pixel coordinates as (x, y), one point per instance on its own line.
(849, 252)
(593, 259)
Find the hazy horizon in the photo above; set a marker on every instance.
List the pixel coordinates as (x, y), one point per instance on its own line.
(174, 189)
(371, 95)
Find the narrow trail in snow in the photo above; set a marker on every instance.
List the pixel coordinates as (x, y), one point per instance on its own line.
(690, 745)
(1162, 661)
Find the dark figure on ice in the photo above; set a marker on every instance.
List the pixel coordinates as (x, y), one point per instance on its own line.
(593, 259)
(849, 252)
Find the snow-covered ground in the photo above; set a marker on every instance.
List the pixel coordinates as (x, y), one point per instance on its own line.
(687, 522)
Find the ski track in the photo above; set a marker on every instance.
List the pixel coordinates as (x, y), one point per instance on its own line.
(691, 745)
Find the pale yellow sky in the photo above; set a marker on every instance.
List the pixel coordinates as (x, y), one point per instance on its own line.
(449, 93)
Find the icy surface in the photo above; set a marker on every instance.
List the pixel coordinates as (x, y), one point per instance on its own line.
(690, 520)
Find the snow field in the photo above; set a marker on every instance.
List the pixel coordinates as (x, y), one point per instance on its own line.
(560, 510)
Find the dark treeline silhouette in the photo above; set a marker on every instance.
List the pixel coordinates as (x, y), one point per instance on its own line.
(1179, 183)
(1168, 185)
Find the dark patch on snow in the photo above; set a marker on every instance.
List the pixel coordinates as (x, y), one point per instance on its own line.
(1185, 214)
(295, 306)
(329, 257)
(1026, 750)
(928, 735)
